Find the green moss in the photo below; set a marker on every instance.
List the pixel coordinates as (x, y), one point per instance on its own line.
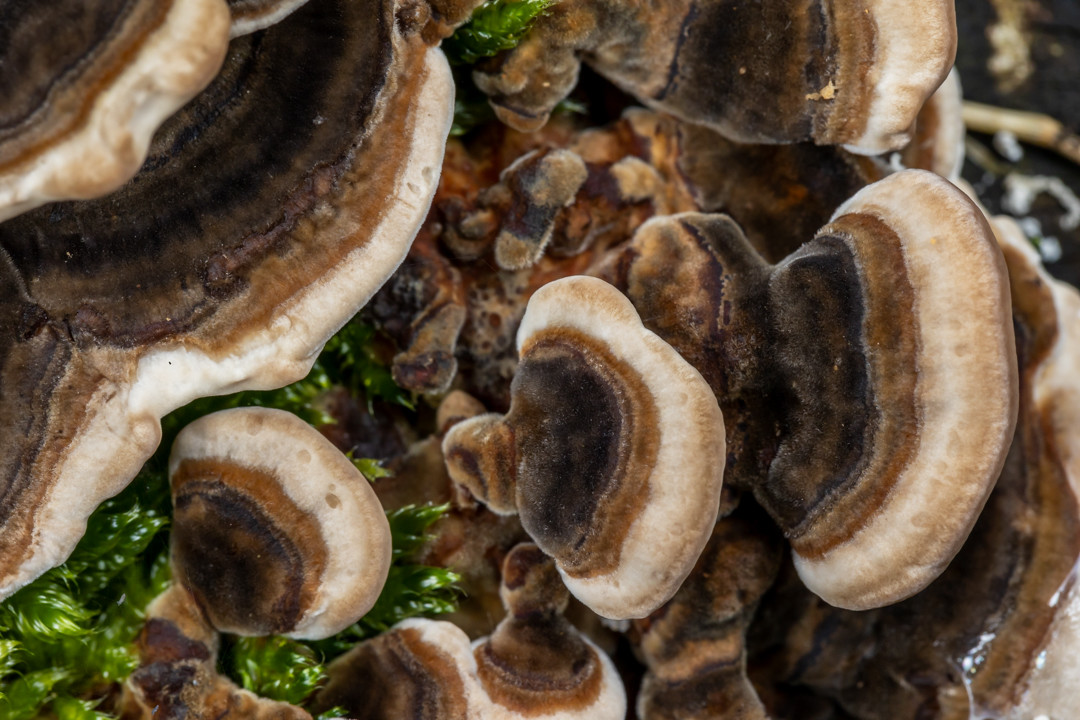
(370, 468)
(495, 26)
(471, 108)
(275, 667)
(69, 633)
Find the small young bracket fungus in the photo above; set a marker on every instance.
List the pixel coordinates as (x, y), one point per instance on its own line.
(275, 531)
(834, 72)
(270, 209)
(612, 452)
(440, 290)
(422, 308)
(695, 646)
(86, 85)
(541, 183)
(536, 664)
(868, 380)
(418, 670)
(177, 677)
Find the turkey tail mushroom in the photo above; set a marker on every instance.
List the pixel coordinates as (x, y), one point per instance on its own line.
(275, 531)
(86, 85)
(850, 73)
(995, 635)
(536, 664)
(249, 16)
(417, 670)
(612, 453)
(270, 210)
(178, 678)
(868, 380)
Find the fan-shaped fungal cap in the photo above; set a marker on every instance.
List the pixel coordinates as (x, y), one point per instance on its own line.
(940, 404)
(1049, 660)
(831, 71)
(271, 208)
(85, 86)
(177, 677)
(695, 646)
(418, 670)
(536, 664)
(868, 380)
(612, 452)
(275, 532)
(1008, 648)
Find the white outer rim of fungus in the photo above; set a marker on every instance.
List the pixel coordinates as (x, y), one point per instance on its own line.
(941, 491)
(949, 146)
(124, 428)
(656, 556)
(905, 73)
(948, 151)
(309, 469)
(254, 23)
(173, 65)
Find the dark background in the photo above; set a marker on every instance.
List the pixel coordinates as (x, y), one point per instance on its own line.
(1025, 54)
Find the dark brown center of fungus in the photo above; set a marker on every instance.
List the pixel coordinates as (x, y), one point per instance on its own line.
(586, 423)
(250, 556)
(221, 202)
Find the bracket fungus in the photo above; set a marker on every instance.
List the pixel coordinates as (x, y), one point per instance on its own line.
(612, 453)
(995, 636)
(835, 72)
(536, 664)
(864, 379)
(275, 531)
(422, 308)
(85, 86)
(178, 678)
(270, 209)
(938, 143)
(418, 670)
(695, 646)
(542, 182)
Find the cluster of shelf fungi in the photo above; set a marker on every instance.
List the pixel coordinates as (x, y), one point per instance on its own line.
(792, 420)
